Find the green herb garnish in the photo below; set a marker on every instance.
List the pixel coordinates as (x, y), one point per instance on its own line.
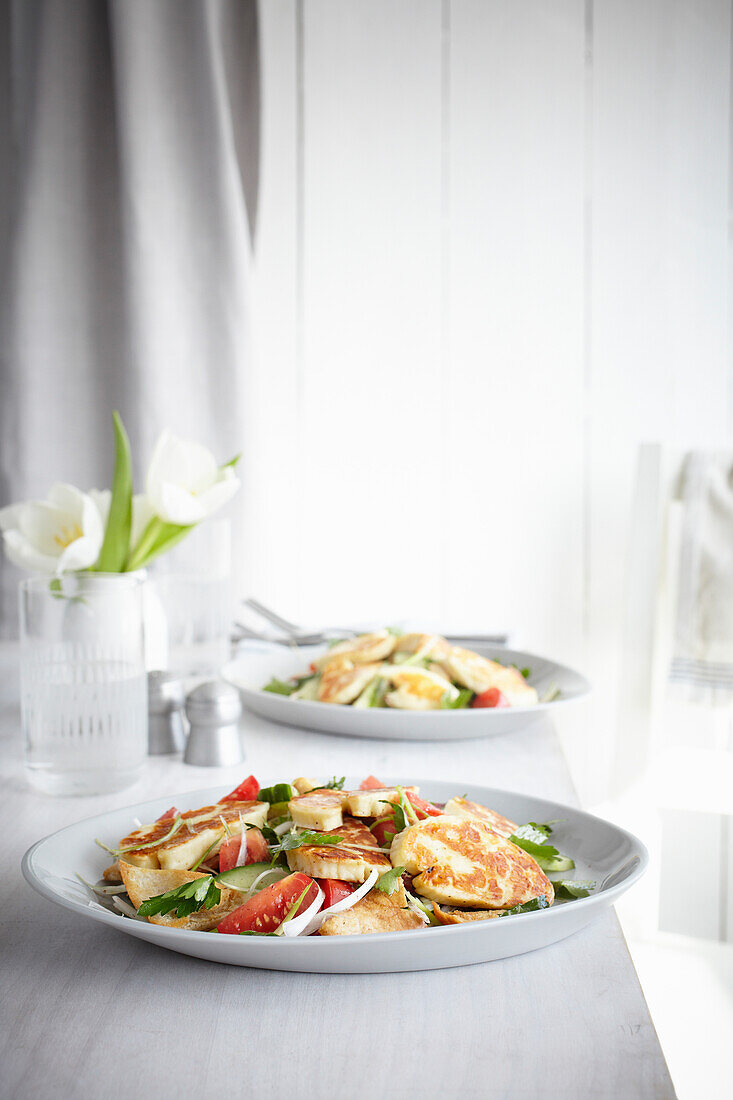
(333, 784)
(534, 842)
(568, 888)
(200, 893)
(282, 687)
(388, 882)
(528, 906)
(290, 841)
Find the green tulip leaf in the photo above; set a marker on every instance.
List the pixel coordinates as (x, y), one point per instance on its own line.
(116, 545)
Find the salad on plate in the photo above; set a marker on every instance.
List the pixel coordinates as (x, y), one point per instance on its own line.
(303, 858)
(410, 672)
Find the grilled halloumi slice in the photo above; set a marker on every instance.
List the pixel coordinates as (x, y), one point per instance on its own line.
(321, 810)
(142, 883)
(377, 912)
(200, 829)
(352, 860)
(463, 807)
(463, 862)
(361, 650)
(479, 674)
(417, 688)
(429, 645)
(372, 803)
(351, 864)
(341, 683)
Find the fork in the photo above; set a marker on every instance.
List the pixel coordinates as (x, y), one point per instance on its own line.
(301, 636)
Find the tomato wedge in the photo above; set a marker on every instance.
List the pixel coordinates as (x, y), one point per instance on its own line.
(380, 830)
(334, 889)
(423, 809)
(169, 815)
(492, 697)
(257, 850)
(247, 791)
(267, 909)
(371, 783)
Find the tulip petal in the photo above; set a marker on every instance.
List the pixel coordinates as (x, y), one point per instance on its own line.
(48, 528)
(10, 516)
(80, 554)
(181, 462)
(67, 498)
(24, 554)
(178, 505)
(220, 493)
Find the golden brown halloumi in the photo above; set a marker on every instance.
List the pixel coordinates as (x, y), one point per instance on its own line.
(359, 651)
(377, 912)
(417, 688)
(479, 674)
(373, 802)
(342, 684)
(142, 883)
(321, 810)
(200, 829)
(352, 860)
(430, 645)
(463, 807)
(346, 862)
(463, 862)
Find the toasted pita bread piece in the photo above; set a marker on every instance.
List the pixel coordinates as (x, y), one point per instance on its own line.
(377, 912)
(460, 916)
(144, 882)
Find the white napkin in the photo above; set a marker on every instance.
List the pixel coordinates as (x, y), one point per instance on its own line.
(701, 670)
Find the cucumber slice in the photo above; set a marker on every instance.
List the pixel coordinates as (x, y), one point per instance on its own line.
(241, 878)
(365, 699)
(308, 689)
(281, 792)
(277, 809)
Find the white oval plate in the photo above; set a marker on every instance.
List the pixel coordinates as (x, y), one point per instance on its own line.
(602, 852)
(252, 670)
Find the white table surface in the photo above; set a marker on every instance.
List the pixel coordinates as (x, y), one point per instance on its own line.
(88, 1013)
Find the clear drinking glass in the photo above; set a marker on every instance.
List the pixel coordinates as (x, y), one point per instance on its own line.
(83, 684)
(193, 583)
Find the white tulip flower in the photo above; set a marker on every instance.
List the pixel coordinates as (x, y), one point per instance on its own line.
(184, 485)
(63, 532)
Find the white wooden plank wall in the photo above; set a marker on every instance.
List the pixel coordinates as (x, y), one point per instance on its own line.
(492, 259)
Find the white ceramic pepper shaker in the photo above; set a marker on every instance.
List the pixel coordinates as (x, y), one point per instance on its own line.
(213, 710)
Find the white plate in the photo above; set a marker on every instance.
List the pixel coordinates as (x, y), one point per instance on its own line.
(601, 851)
(252, 670)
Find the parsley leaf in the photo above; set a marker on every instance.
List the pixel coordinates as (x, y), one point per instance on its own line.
(333, 784)
(282, 687)
(534, 842)
(528, 906)
(387, 883)
(200, 893)
(569, 888)
(289, 841)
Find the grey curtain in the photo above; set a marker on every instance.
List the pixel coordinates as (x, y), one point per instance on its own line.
(128, 191)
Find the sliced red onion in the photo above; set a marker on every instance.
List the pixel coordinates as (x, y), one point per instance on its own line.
(297, 925)
(284, 828)
(344, 904)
